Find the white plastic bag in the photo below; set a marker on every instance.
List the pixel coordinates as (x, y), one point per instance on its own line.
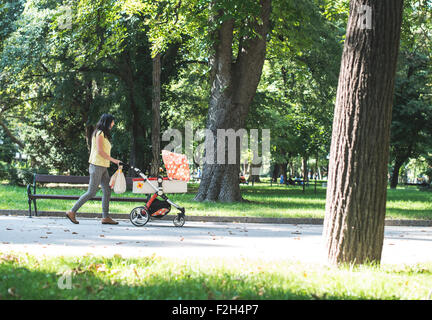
(119, 181)
(113, 179)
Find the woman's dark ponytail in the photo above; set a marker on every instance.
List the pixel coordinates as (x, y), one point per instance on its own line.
(104, 125)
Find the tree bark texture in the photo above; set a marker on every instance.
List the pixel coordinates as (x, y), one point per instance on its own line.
(357, 181)
(234, 84)
(155, 136)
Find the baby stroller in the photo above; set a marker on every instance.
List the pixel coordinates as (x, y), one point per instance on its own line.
(176, 182)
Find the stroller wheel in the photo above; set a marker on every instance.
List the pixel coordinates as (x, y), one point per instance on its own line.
(139, 216)
(179, 221)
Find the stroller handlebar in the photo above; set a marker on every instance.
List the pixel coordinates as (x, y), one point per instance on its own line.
(125, 165)
(128, 166)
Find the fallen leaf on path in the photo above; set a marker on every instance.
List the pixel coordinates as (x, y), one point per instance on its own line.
(44, 237)
(102, 236)
(74, 232)
(9, 229)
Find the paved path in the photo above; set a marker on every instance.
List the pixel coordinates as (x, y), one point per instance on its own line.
(58, 236)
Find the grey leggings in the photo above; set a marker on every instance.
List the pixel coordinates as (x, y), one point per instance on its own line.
(98, 176)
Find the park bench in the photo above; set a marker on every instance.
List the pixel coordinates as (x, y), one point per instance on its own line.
(46, 178)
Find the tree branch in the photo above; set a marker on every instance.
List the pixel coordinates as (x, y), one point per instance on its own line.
(10, 135)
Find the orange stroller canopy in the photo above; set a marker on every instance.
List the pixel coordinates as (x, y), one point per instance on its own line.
(176, 165)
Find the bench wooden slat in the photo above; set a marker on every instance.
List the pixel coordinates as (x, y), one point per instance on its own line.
(47, 178)
(72, 197)
(62, 179)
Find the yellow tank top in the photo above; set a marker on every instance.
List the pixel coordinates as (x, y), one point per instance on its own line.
(95, 157)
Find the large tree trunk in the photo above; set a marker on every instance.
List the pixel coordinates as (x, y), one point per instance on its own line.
(357, 182)
(233, 87)
(155, 135)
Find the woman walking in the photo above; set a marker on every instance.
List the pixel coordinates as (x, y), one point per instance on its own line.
(100, 158)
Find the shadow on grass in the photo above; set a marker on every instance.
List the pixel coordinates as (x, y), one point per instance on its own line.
(24, 284)
(154, 278)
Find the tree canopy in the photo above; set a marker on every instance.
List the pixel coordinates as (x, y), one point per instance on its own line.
(63, 63)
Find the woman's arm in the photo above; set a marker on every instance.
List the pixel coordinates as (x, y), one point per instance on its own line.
(102, 153)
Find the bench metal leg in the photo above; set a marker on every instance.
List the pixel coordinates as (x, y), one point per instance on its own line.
(35, 207)
(30, 212)
(29, 200)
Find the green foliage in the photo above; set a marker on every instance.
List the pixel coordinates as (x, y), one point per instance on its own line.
(50, 140)
(412, 110)
(55, 81)
(61, 79)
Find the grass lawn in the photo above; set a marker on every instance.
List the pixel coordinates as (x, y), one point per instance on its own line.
(263, 201)
(91, 277)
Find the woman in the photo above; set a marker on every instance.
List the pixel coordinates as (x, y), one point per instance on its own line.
(99, 160)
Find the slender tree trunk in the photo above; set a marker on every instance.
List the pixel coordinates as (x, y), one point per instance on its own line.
(155, 136)
(394, 180)
(275, 174)
(356, 193)
(137, 107)
(233, 87)
(316, 172)
(283, 170)
(291, 168)
(305, 171)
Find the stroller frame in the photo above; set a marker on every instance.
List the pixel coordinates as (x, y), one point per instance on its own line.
(139, 216)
